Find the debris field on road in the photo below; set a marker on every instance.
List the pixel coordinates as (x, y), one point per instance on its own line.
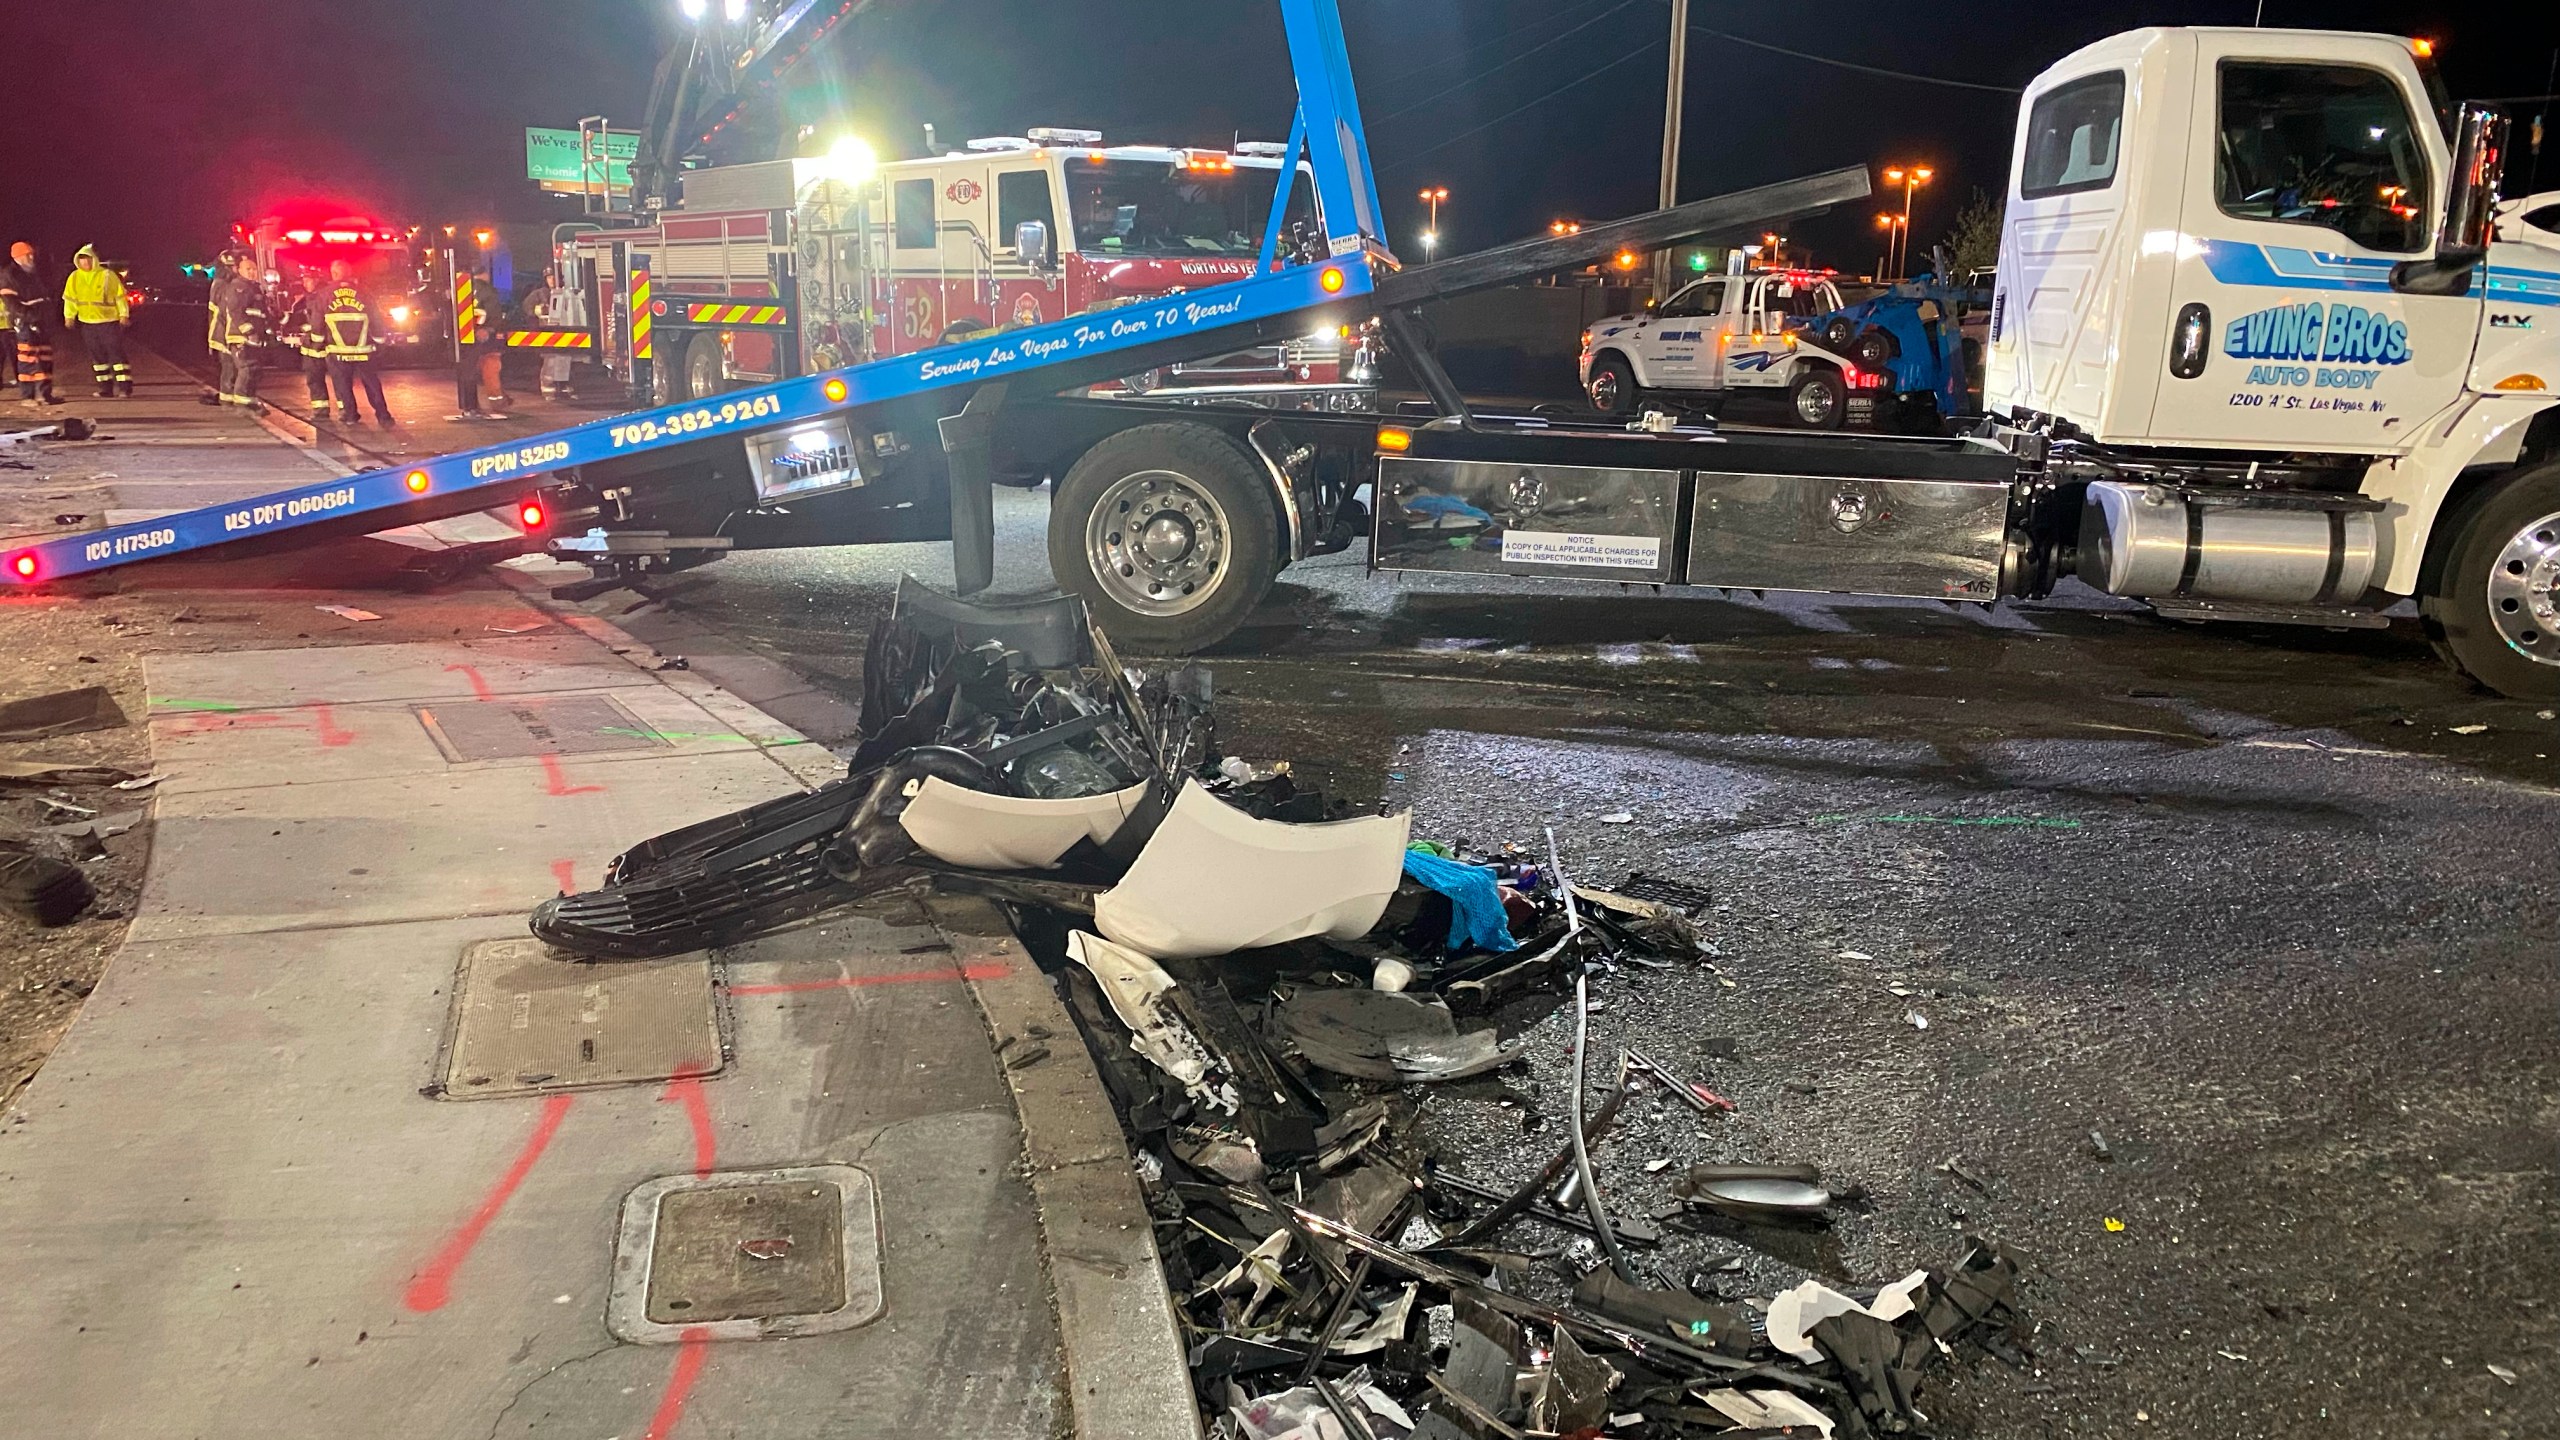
(1263, 977)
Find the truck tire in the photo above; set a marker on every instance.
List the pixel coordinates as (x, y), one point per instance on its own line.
(705, 369)
(2493, 606)
(1818, 400)
(1875, 350)
(1169, 533)
(1613, 385)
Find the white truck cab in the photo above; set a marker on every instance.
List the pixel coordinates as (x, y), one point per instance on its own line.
(2265, 260)
(1725, 334)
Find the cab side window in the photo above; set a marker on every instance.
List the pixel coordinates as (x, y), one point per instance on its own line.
(1022, 196)
(1703, 299)
(2333, 146)
(913, 202)
(2072, 137)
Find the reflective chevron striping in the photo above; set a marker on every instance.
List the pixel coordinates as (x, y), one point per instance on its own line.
(715, 312)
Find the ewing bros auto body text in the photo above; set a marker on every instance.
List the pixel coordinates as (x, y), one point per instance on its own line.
(2332, 337)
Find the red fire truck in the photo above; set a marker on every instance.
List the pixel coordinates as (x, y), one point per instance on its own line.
(787, 267)
(306, 238)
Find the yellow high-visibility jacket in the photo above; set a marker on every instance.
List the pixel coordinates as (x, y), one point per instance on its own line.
(95, 296)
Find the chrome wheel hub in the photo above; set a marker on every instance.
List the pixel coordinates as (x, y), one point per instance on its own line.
(2524, 591)
(1813, 404)
(1604, 390)
(1157, 542)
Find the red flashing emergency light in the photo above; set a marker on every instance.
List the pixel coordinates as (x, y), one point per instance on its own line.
(23, 565)
(530, 512)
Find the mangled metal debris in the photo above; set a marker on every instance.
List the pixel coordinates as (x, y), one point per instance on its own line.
(1272, 988)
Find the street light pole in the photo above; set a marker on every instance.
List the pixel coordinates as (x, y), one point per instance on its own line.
(1910, 178)
(1675, 90)
(1431, 237)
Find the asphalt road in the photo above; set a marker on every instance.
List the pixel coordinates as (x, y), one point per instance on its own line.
(2244, 902)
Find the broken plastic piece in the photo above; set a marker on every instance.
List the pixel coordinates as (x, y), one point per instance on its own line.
(1374, 1035)
(960, 826)
(1136, 987)
(1794, 1313)
(1214, 880)
(1048, 630)
(1767, 1410)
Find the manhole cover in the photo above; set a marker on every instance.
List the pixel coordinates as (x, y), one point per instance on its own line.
(526, 1020)
(747, 1255)
(512, 728)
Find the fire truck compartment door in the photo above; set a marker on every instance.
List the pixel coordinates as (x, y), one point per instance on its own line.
(1937, 539)
(1554, 521)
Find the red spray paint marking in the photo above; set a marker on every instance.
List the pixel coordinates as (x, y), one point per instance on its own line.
(433, 1284)
(558, 779)
(855, 982)
(689, 1357)
(686, 1089)
(565, 872)
(323, 722)
(479, 687)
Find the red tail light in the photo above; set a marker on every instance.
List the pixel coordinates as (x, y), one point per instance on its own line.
(530, 512)
(23, 566)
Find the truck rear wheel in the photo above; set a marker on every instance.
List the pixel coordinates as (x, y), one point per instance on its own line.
(1169, 534)
(2493, 609)
(1818, 400)
(706, 371)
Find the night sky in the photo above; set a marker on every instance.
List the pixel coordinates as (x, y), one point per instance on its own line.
(146, 126)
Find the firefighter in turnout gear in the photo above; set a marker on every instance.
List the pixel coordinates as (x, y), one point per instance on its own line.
(30, 304)
(96, 307)
(349, 322)
(307, 327)
(239, 326)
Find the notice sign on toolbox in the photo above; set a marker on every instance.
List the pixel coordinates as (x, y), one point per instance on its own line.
(1612, 552)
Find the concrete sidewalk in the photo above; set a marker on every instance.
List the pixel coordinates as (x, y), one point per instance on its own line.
(335, 1149)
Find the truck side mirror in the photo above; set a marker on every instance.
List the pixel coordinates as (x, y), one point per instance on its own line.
(1031, 242)
(2470, 208)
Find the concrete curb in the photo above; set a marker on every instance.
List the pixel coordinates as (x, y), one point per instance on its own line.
(1127, 1371)
(1127, 1375)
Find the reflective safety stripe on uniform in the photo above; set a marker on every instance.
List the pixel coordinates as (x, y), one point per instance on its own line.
(641, 319)
(350, 324)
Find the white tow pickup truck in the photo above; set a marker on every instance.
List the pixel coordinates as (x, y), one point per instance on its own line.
(1730, 334)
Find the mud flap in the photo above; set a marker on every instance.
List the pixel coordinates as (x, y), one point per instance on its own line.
(968, 447)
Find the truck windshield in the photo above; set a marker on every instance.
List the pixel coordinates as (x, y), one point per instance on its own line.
(1153, 207)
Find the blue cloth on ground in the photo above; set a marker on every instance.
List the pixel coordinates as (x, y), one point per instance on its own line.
(1476, 920)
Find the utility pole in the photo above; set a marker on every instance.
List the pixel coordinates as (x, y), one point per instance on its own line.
(1676, 89)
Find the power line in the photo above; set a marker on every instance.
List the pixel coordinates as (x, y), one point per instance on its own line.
(1853, 65)
(1480, 77)
(1638, 53)
(1505, 38)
